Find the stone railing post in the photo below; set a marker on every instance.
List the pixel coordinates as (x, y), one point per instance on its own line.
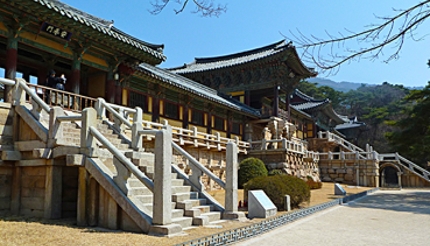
(18, 94)
(231, 178)
(162, 204)
(194, 135)
(88, 143)
(136, 138)
(231, 170)
(101, 110)
(55, 127)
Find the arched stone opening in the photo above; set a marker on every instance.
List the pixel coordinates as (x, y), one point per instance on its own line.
(390, 176)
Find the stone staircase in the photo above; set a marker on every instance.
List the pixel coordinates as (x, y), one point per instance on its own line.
(187, 208)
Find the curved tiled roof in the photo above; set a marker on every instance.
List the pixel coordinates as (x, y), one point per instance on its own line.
(193, 87)
(212, 63)
(102, 26)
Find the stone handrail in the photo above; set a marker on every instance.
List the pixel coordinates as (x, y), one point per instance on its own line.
(280, 144)
(197, 168)
(180, 135)
(409, 164)
(122, 158)
(197, 165)
(348, 155)
(339, 140)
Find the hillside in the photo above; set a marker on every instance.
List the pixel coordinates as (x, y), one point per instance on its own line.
(339, 86)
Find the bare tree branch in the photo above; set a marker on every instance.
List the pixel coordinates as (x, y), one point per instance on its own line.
(392, 32)
(206, 8)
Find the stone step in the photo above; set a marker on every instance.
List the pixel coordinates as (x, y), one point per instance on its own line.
(197, 211)
(135, 191)
(150, 205)
(177, 182)
(72, 134)
(206, 218)
(102, 125)
(147, 169)
(191, 203)
(179, 197)
(151, 175)
(177, 213)
(180, 189)
(184, 222)
(144, 198)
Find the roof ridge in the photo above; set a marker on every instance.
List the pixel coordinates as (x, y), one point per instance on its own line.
(276, 45)
(85, 15)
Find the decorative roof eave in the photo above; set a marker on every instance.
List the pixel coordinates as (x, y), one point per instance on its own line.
(304, 114)
(179, 82)
(305, 97)
(97, 25)
(297, 65)
(281, 51)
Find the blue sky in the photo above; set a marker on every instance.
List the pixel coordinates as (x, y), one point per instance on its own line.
(255, 23)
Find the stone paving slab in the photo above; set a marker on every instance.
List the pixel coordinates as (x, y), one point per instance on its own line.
(386, 217)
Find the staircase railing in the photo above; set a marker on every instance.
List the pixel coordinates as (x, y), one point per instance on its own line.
(344, 143)
(122, 120)
(423, 173)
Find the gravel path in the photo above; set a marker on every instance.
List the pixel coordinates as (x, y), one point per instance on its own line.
(388, 217)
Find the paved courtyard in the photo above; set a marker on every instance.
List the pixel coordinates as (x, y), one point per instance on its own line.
(387, 217)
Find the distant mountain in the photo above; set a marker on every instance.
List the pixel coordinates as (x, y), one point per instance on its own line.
(347, 86)
(339, 86)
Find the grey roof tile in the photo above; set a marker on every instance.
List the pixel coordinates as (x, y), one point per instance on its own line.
(103, 26)
(186, 84)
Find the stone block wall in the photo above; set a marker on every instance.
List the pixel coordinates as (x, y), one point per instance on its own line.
(32, 191)
(5, 188)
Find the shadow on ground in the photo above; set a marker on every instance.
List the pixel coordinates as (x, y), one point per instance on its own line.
(417, 202)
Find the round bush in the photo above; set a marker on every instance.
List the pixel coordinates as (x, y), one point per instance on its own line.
(276, 172)
(249, 169)
(277, 186)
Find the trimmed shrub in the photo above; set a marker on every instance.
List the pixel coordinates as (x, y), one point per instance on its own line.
(249, 169)
(313, 184)
(277, 186)
(276, 172)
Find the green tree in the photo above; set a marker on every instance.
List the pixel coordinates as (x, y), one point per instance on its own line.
(411, 137)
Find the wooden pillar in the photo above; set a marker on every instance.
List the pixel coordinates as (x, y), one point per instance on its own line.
(229, 123)
(276, 101)
(118, 93)
(76, 74)
(41, 75)
(248, 98)
(185, 115)
(156, 107)
(209, 121)
(11, 63)
(110, 87)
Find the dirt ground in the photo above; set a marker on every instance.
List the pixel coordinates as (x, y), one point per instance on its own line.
(21, 231)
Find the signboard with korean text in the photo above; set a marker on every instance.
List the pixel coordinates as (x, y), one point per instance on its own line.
(56, 31)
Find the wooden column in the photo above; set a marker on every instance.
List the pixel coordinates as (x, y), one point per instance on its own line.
(229, 123)
(185, 115)
(275, 102)
(11, 62)
(74, 81)
(118, 93)
(209, 120)
(110, 87)
(248, 98)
